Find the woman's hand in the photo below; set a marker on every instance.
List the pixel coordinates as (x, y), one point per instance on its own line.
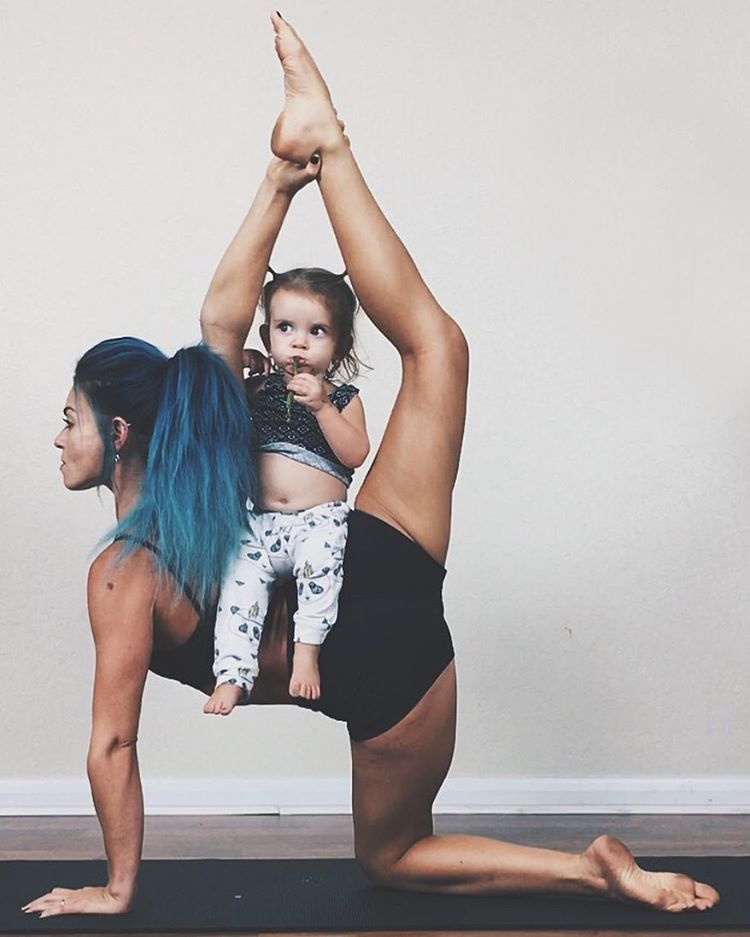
(91, 900)
(288, 177)
(256, 363)
(258, 366)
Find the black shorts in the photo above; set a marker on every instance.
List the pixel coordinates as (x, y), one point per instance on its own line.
(390, 641)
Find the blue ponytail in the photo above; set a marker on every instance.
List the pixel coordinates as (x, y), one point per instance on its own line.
(191, 418)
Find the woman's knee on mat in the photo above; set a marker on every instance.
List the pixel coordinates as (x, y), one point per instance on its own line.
(379, 867)
(390, 869)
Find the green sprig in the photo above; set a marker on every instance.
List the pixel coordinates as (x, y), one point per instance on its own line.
(290, 394)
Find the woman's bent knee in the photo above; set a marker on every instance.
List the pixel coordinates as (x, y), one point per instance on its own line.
(444, 350)
(380, 870)
(458, 347)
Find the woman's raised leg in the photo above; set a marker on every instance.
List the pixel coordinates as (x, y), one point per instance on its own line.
(397, 775)
(411, 480)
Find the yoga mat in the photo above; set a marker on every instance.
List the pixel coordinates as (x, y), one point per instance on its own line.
(329, 895)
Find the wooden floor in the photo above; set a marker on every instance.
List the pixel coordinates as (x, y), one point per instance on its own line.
(330, 837)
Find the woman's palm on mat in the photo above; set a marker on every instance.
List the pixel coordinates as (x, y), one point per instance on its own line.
(89, 900)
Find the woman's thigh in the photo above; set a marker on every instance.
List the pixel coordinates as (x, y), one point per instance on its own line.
(410, 483)
(396, 776)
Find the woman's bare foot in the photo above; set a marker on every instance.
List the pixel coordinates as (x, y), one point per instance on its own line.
(308, 122)
(223, 699)
(305, 681)
(614, 872)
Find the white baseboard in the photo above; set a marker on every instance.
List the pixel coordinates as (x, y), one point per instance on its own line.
(284, 796)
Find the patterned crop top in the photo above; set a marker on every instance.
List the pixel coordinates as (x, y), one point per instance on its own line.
(300, 438)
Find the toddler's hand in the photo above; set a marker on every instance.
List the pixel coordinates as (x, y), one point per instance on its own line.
(309, 390)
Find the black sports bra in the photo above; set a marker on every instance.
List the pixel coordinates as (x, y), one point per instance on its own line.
(190, 663)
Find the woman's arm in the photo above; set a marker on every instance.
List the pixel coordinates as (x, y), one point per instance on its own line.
(229, 307)
(121, 600)
(121, 603)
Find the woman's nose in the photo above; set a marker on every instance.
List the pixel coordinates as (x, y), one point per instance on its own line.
(56, 441)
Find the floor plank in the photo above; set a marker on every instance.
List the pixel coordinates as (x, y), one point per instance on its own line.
(327, 837)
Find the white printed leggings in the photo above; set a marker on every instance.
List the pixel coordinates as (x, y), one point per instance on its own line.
(306, 545)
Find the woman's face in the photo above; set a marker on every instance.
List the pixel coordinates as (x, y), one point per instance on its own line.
(300, 327)
(80, 445)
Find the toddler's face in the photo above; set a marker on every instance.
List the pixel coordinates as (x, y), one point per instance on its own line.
(300, 326)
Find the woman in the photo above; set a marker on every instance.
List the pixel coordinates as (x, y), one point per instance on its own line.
(402, 741)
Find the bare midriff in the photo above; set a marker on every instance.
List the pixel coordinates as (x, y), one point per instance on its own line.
(175, 621)
(286, 485)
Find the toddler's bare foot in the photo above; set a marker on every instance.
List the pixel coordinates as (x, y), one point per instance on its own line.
(305, 680)
(308, 122)
(223, 700)
(613, 871)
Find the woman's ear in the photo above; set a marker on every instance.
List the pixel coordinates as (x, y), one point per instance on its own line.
(120, 432)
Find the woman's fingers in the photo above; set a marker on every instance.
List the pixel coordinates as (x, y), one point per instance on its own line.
(53, 903)
(291, 177)
(89, 900)
(256, 362)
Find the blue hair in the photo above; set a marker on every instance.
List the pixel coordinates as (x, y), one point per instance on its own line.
(189, 417)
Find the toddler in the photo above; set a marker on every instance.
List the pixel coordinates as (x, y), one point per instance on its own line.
(310, 435)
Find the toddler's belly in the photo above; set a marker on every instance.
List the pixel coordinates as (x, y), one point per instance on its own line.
(286, 485)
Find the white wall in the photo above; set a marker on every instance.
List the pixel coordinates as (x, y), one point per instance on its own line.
(571, 179)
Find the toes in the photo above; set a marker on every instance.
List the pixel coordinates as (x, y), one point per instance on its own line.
(704, 892)
(691, 896)
(285, 32)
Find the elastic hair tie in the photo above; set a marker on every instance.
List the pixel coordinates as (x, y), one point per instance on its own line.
(272, 272)
(342, 275)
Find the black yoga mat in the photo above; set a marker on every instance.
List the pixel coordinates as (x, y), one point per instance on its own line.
(330, 895)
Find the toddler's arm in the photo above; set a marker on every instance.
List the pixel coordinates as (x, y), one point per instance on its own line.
(345, 431)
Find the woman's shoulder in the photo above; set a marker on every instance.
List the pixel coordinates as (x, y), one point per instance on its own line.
(122, 565)
(122, 588)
